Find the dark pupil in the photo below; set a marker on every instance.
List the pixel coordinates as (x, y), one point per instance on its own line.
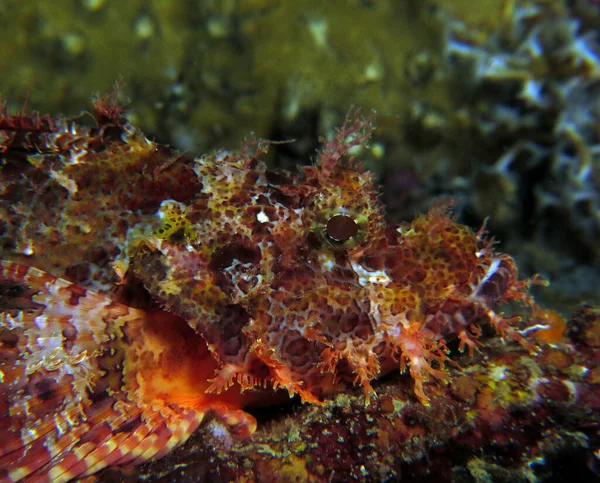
(341, 228)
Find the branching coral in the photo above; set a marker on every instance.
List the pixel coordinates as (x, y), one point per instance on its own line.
(534, 98)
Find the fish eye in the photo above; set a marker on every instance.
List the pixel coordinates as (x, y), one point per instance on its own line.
(341, 228)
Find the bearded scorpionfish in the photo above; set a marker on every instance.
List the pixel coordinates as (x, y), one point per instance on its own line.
(142, 289)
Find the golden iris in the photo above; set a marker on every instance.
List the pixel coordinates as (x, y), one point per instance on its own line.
(341, 229)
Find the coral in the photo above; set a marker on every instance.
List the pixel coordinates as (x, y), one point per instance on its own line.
(534, 84)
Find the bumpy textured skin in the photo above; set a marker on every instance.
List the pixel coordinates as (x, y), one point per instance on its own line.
(207, 285)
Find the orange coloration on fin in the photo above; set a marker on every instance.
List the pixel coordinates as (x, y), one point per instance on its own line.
(87, 382)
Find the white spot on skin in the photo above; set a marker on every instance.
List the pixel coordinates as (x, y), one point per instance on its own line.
(327, 261)
(262, 217)
(41, 321)
(378, 277)
(170, 209)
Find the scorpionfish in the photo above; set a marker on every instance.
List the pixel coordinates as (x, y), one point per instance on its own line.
(142, 289)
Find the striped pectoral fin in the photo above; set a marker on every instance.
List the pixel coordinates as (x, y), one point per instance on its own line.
(87, 383)
(95, 442)
(53, 447)
(148, 435)
(109, 432)
(65, 408)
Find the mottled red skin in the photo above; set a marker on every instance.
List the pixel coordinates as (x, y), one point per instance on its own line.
(500, 416)
(208, 285)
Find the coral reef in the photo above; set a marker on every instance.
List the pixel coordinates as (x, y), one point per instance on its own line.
(529, 103)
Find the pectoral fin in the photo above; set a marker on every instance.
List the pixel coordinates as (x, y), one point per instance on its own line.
(86, 382)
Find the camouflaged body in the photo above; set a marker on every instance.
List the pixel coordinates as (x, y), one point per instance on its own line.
(195, 285)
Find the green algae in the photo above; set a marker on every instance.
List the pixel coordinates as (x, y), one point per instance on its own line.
(206, 73)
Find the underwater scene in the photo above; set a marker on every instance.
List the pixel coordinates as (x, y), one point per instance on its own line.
(300, 241)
